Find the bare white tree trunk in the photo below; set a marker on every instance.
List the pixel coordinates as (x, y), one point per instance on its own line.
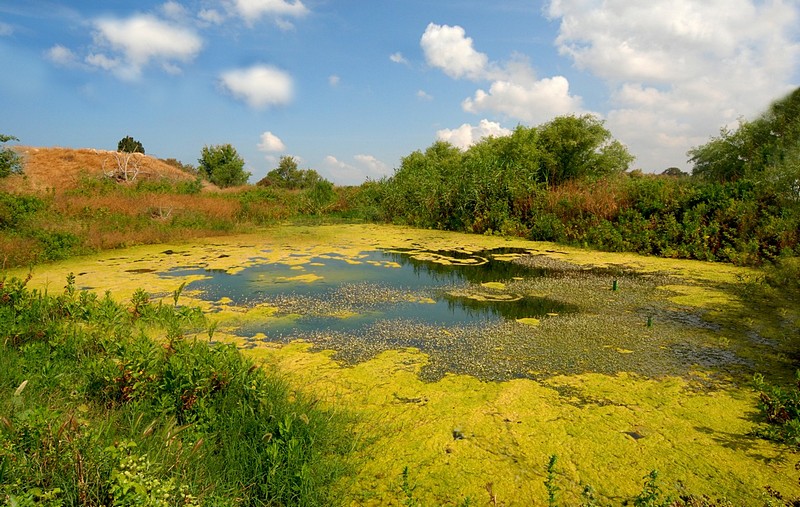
(125, 166)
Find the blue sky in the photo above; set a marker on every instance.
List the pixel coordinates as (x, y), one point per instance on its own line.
(350, 87)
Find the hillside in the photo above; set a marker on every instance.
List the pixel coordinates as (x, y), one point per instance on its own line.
(62, 168)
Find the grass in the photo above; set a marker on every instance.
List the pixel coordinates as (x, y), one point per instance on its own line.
(110, 404)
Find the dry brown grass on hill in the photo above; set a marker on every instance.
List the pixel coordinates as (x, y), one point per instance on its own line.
(62, 168)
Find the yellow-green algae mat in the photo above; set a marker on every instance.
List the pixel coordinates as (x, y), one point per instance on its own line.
(461, 436)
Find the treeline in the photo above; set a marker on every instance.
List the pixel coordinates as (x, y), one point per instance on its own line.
(567, 181)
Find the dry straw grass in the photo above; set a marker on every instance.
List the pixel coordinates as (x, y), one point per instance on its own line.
(600, 199)
(60, 169)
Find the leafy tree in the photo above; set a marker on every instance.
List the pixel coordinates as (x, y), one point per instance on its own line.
(769, 141)
(10, 161)
(425, 187)
(223, 166)
(579, 146)
(674, 172)
(130, 145)
(288, 175)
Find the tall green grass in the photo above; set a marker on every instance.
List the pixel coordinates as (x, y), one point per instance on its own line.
(94, 411)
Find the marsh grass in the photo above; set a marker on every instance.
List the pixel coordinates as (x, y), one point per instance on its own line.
(96, 213)
(93, 411)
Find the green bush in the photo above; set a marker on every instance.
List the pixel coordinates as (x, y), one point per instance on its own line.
(130, 145)
(94, 412)
(10, 161)
(14, 209)
(223, 166)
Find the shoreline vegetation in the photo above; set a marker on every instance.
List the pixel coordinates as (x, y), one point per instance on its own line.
(103, 403)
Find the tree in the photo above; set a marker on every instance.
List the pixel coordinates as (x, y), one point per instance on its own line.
(754, 147)
(130, 145)
(223, 166)
(10, 161)
(674, 172)
(288, 175)
(579, 146)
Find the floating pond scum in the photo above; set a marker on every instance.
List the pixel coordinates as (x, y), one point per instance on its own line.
(521, 349)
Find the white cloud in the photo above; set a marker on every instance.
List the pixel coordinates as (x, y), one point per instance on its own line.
(5, 29)
(141, 39)
(678, 69)
(271, 143)
(211, 16)
(466, 135)
(174, 10)
(374, 166)
(449, 49)
(398, 58)
(514, 91)
(62, 56)
(259, 86)
(253, 10)
(102, 61)
(423, 95)
(364, 167)
(334, 80)
(533, 103)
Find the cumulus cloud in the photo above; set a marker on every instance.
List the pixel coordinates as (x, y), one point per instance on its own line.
(253, 10)
(678, 70)
(423, 95)
(259, 86)
(271, 143)
(449, 49)
(466, 135)
(534, 103)
(142, 39)
(514, 91)
(363, 167)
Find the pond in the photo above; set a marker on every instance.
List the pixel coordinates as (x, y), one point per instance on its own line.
(495, 313)
(335, 293)
(522, 349)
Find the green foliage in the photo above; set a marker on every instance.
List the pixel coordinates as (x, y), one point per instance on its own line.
(14, 209)
(770, 141)
(130, 145)
(10, 161)
(496, 185)
(408, 489)
(93, 412)
(780, 407)
(287, 175)
(651, 494)
(550, 482)
(316, 198)
(579, 146)
(223, 166)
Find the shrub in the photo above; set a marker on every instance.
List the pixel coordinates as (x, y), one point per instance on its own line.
(94, 412)
(10, 161)
(223, 166)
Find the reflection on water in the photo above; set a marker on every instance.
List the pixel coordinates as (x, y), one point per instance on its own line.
(436, 288)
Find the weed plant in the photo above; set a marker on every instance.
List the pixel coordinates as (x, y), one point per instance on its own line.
(780, 407)
(94, 411)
